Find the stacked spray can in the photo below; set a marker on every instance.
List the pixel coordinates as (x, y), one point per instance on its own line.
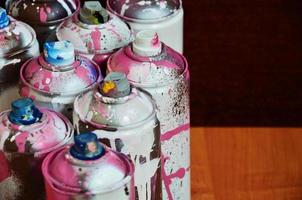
(88, 170)
(17, 44)
(56, 77)
(124, 118)
(164, 17)
(27, 135)
(43, 15)
(95, 33)
(163, 72)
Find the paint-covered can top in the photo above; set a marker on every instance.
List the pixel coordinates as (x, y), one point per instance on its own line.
(28, 129)
(15, 36)
(148, 62)
(87, 167)
(43, 11)
(95, 31)
(115, 104)
(144, 10)
(59, 71)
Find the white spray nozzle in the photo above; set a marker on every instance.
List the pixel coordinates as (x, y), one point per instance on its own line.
(147, 43)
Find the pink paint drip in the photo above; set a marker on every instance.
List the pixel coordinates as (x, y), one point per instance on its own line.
(96, 39)
(43, 15)
(180, 173)
(20, 141)
(168, 135)
(83, 74)
(155, 41)
(167, 179)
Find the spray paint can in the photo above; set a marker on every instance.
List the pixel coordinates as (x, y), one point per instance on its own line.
(163, 72)
(165, 17)
(17, 44)
(43, 15)
(27, 135)
(88, 170)
(57, 76)
(95, 33)
(124, 118)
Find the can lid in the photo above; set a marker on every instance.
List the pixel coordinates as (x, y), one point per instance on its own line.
(59, 53)
(143, 9)
(147, 43)
(87, 147)
(4, 20)
(93, 13)
(115, 85)
(24, 112)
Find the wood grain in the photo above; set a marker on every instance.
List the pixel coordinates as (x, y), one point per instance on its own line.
(246, 163)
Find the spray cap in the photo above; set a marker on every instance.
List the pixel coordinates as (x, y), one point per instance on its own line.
(59, 53)
(115, 85)
(147, 43)
(93, 13)
(4, 20)
(87, 147)
(24, 112)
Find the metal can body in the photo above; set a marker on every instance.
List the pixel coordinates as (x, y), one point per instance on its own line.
(43, 15)
(56, 87)
(96, 41)
(108, 177)
(17, 45)
(164, 17)
(166, 78)
(25, 146)
(130, 126)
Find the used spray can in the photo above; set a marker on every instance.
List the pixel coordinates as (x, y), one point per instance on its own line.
(165, 17)
(17, 44)
(164, 73)
(124, 118)
(95, 33)
(27, 135)
(43, 15)
(57, 76)
(88, 170)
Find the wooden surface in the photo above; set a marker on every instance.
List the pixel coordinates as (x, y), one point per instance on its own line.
(246, 164)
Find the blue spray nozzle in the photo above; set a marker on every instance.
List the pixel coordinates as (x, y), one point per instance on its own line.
(59, 53)
(24, 112)
(87, 147)
(4, 20)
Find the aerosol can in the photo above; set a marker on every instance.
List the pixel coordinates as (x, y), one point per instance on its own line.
(57, 76)
(27, 135)
(124, 118)
(163, 72)
(17, 44)
(165, 17)
(88, 170)
(95, 33)
(43, 15)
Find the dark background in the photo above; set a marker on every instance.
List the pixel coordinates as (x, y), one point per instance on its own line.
(245, 61)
